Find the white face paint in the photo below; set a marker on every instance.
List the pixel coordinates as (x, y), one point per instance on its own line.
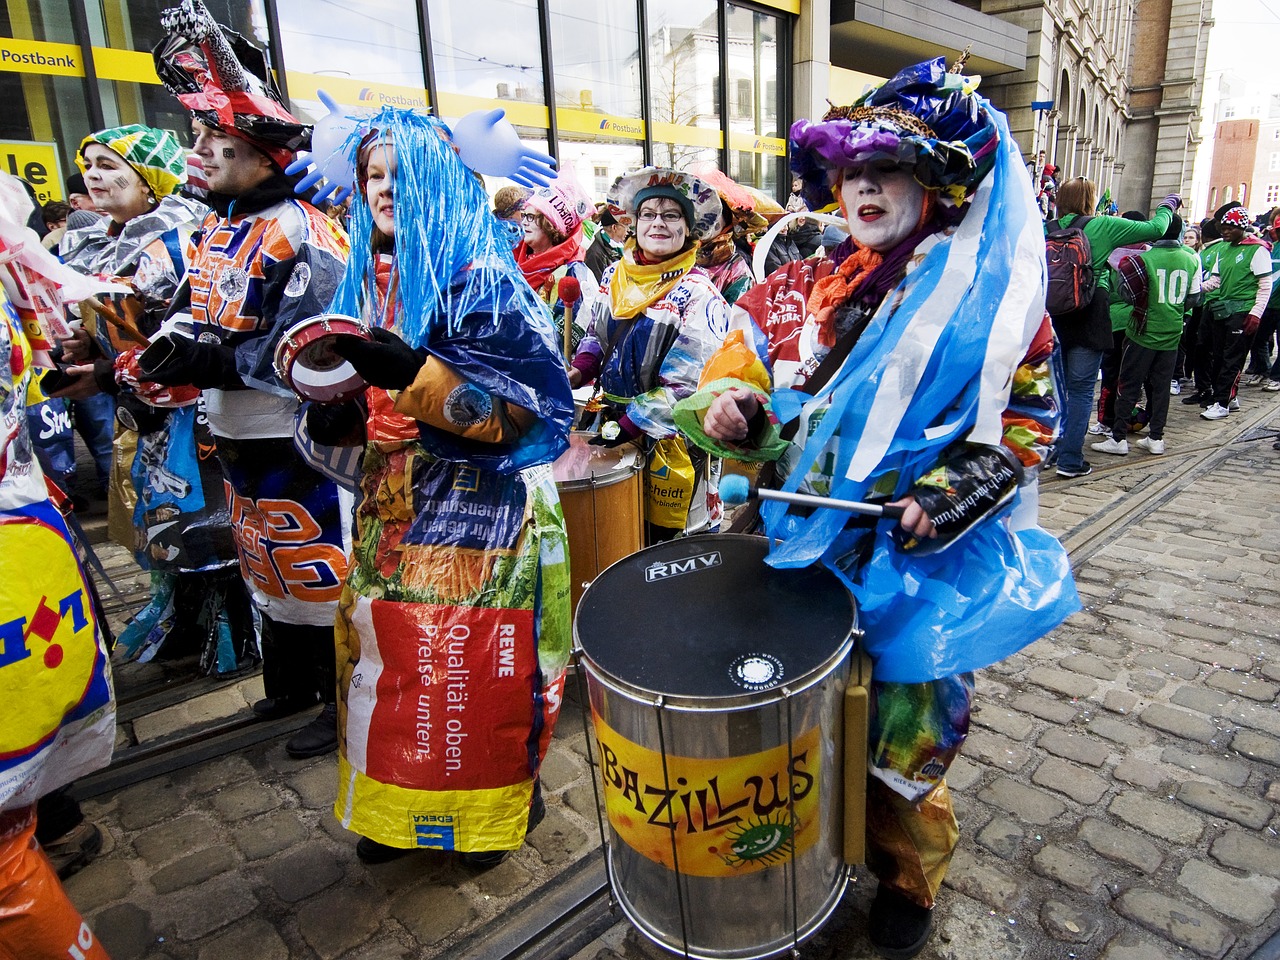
(115, 187)
(663, 235)
(379, 187)
(534, 236)
(883, 202)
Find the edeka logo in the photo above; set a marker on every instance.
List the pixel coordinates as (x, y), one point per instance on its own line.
(673, 568)
(631, 127)
(725, 816)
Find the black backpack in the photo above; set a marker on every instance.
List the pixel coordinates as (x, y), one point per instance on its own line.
(1071, 276)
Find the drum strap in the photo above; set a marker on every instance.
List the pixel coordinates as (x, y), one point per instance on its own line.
(749, 518)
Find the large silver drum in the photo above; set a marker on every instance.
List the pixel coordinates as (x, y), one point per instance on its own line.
(716, 686)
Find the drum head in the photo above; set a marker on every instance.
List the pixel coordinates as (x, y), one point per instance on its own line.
(583, 463)
(705, 616)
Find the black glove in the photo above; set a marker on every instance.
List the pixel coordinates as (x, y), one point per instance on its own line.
(174, 361)
(336, 424)
(385, 360)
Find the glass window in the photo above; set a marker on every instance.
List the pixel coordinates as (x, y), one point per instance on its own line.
(684, 78)
(364, 54)
(757, 144)
(596, 55)
(43, 108)
(486, 49)
(135, 25)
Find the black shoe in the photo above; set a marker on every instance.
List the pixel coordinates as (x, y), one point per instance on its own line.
(318, 737)
(897, 927)
(74, 850)
(1073, 472)
(483, 859)
(274, 709)
(371, 851)
(1201, 398)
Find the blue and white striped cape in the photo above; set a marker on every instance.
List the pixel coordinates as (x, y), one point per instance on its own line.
(936, 365)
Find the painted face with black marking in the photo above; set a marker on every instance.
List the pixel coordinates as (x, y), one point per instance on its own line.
(115, 187)
(379, 186)
(231, 165)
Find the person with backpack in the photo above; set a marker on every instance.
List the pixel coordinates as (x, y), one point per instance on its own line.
(1077, 248)
(1159, 284)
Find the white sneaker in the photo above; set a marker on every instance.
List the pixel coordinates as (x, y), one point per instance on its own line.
(1254, 379)
(1098, 430)
(1233, 405)
(1271, 386)
(1175, 388)
(1112, 445)
(1216, 411)
(1152, 446)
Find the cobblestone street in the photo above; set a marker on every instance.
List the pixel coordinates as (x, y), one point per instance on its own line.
(1119, 795)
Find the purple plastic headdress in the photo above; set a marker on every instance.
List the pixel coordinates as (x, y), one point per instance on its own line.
(925, 118)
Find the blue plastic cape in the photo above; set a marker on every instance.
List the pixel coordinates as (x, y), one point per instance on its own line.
(920, 379)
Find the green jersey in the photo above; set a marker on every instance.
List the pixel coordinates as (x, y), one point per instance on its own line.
(1172, 273)
(1240, 266)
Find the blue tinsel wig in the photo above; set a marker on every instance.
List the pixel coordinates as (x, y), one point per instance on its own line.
(443, 226)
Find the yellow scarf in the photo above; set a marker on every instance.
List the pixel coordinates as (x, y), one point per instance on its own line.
(635, 285)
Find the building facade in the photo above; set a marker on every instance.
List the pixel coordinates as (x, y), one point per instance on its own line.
(607, 89)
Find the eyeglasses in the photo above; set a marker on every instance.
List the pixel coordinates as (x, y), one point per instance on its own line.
(528, 217)
(669, 216)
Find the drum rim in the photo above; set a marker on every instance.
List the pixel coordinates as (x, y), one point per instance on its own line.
(730, 700)
(286, 353)
(617, 474)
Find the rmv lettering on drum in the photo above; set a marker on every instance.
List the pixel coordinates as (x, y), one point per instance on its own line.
(664, 814)
(673, 568)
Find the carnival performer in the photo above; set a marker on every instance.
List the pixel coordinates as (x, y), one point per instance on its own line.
(655, 324)
(553, 248)
(55, 681)
(261, 262)
(721, 257)
(453, 629)
(167, 503)
(916, 371)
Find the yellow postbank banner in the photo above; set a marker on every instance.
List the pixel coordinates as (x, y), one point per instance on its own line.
(720, 817)
(35, 56)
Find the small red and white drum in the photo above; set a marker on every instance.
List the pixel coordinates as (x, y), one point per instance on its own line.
(307, 364)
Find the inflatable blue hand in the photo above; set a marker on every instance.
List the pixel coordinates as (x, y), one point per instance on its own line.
(326, 162)
(489, 144)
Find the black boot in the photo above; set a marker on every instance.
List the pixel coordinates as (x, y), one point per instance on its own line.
(898, 927)
(371, 851)
(318, 737)
(273, 708)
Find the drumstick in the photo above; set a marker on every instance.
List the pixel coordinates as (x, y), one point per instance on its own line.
(101, 310)
(735, 489)
(570, 291)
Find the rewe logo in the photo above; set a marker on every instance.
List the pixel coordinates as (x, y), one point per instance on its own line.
(674, 568)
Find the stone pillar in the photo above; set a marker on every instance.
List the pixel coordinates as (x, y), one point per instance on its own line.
(811, 50)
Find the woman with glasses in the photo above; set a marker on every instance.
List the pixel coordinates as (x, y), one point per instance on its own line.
(553, 248)
(656, 322)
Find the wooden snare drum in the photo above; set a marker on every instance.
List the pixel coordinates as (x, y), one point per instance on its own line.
(602, 497)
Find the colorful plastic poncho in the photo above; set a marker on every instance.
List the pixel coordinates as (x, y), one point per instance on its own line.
(454, 626)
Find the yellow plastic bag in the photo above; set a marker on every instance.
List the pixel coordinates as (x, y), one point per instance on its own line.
(734, 359)
(669, 484)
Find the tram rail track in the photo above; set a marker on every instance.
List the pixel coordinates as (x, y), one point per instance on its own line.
(565, 915)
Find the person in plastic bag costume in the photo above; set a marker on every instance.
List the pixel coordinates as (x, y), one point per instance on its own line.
(57, 710)
(453, 629)
(939, 398)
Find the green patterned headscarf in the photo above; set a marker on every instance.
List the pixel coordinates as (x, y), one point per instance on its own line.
(156, 155)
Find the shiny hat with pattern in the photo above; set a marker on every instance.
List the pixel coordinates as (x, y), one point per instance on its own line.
(926, 118)
(1237, 217)
(225, 82)
(563, 201)
(698, 199)
(155, 155)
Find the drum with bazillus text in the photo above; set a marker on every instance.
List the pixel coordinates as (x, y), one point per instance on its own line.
(306, 363)
(716, 688)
